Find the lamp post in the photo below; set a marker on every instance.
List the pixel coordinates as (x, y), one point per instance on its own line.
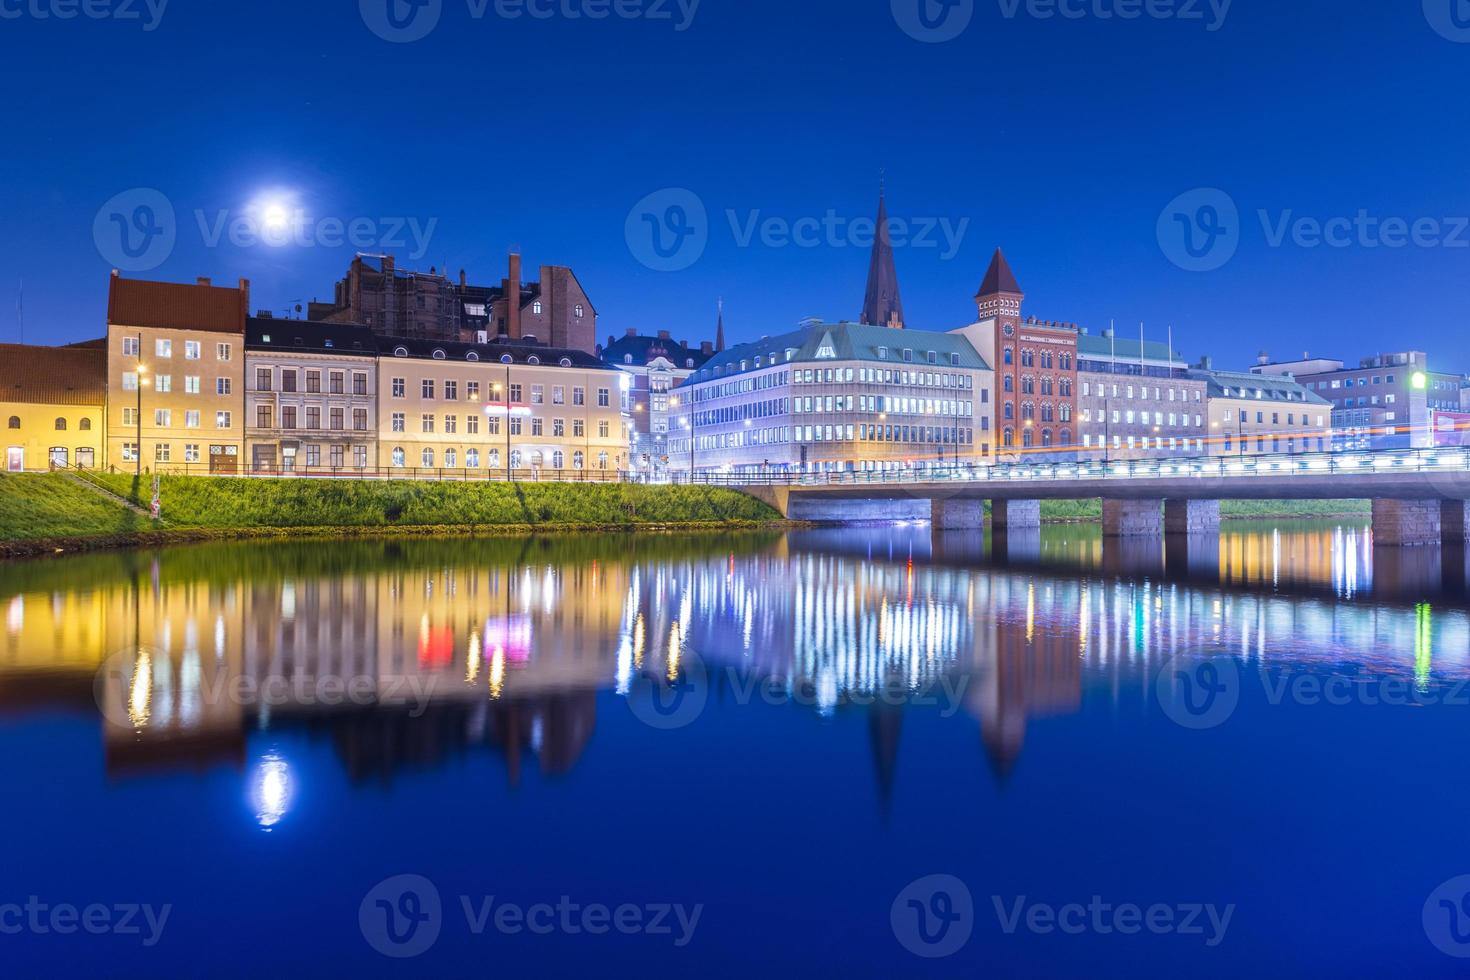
(138, 449)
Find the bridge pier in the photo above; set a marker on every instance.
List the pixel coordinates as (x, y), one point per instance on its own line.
(1406, 523)
(1132, 518)
(1454, 521)
(1015, 514)
(1191, 516)
(955, 514)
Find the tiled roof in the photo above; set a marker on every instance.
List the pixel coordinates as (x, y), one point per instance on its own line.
(177, 306)
(266, 333)
(489, 354)
(849, 342)
(53, 375)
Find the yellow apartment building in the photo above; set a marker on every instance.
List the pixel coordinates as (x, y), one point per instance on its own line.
(175, 375)
(486, 408)
(52, 406)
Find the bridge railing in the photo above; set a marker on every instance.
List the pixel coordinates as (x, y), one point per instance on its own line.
(1326, 465)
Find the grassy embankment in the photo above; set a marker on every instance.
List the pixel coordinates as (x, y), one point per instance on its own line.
(55, 510)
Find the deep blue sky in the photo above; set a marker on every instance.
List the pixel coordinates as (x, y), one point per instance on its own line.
(1060, 140)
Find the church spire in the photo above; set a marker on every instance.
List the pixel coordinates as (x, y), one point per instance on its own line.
(882, 306)
(720, 328)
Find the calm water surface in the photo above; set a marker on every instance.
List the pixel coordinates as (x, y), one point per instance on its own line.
(724, 754)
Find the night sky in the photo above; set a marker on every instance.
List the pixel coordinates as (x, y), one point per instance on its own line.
(1064, 140)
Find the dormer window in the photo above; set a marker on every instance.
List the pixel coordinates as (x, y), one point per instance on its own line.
(882, 353)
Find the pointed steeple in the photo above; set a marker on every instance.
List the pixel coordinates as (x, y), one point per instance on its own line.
(882, 306)
(999, 279)
(720, 328)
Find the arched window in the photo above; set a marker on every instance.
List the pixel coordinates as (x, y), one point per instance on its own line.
(1010, 410)
(1009, 384)
(1046, 437)
(1026, 438)
(451, 458)
(61, 425)
(558, 460)
(1008, 438)
(515, 459)
(492, 460)
(85, 425)
(1066, 412)
(15, 421)
(1066, 437)
(579, 311)
(1009, 357)
(427, 456)
(1028, 410)
(398, 458)
(579, 460)
(472, 459)
(1046, 386)
(536, 308)
(602, 461)
(1066, 388)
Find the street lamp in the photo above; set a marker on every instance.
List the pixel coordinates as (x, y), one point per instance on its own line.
(138, 449)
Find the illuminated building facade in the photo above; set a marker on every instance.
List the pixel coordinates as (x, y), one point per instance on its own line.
(1137, 400)
(482, 408)
(53, 405)
(836, 397)
(1252, 414)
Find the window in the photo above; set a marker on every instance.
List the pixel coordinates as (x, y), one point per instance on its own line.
(191, 350)
(162, 418)
(426, 422)
(222, 352)
(359, 457)
(337, 415)
(603, 399)
(558, 394)
(14, 422)
(451, 424)
(61, 425)
(359, 383)
(515, 392)
(163, 347)
(288, 379)
(191, 452)
(263, 416)
(262, 379)
(427, 456)
(191, 419)
(579, 460)
(313, 418)
(398, 387)
(130, 381)
(451, 391)
(472, 390)
(537, 426)
(397, 456)
(86, 424)
(162, 452)
(427, 388)
(451, 458)
(579, 395)
(288, 416)
(130, 347)
(602, 429)
(538, 394)
(536, 308)
(558, 429)
(360, 419)
(222, 386)
(472, 459)
(164, 383)
(398, 422)
(130, 452)
(191, 384)
(337, 382)
(578, 312)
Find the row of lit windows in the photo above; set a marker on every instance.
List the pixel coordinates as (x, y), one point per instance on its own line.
(1142, 418)
(163, 418)
(519, 459)
(164, 383)
(289, 418)
(428, 421)
(1046, 360)
(1142, 391)
(450, 389)
(1047, 413)
(336, 381)
(164, 347)
(1049, 386)
(852, 432)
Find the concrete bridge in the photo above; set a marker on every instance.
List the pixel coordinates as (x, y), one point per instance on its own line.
(1419, 496)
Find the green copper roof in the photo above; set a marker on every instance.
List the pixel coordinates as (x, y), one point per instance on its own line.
(846, 342)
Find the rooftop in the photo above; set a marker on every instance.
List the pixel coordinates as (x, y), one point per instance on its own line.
(846, 342)
(75, 375)
(643, 349)
(518, 352)
(268, 333)
(178, 306)
(1237, 384)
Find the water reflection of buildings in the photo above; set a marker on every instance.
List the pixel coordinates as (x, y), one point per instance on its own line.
(411, 655)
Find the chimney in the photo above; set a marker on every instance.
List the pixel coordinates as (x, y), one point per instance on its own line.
(204, 281)
(611, 340)
(1207, 363)
(706, 347)
(663, 335)
(684, 344)
(388, 265)
(632, 331)
(244, 299)
(1263, 358)
(463, 282)
(513, 296)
